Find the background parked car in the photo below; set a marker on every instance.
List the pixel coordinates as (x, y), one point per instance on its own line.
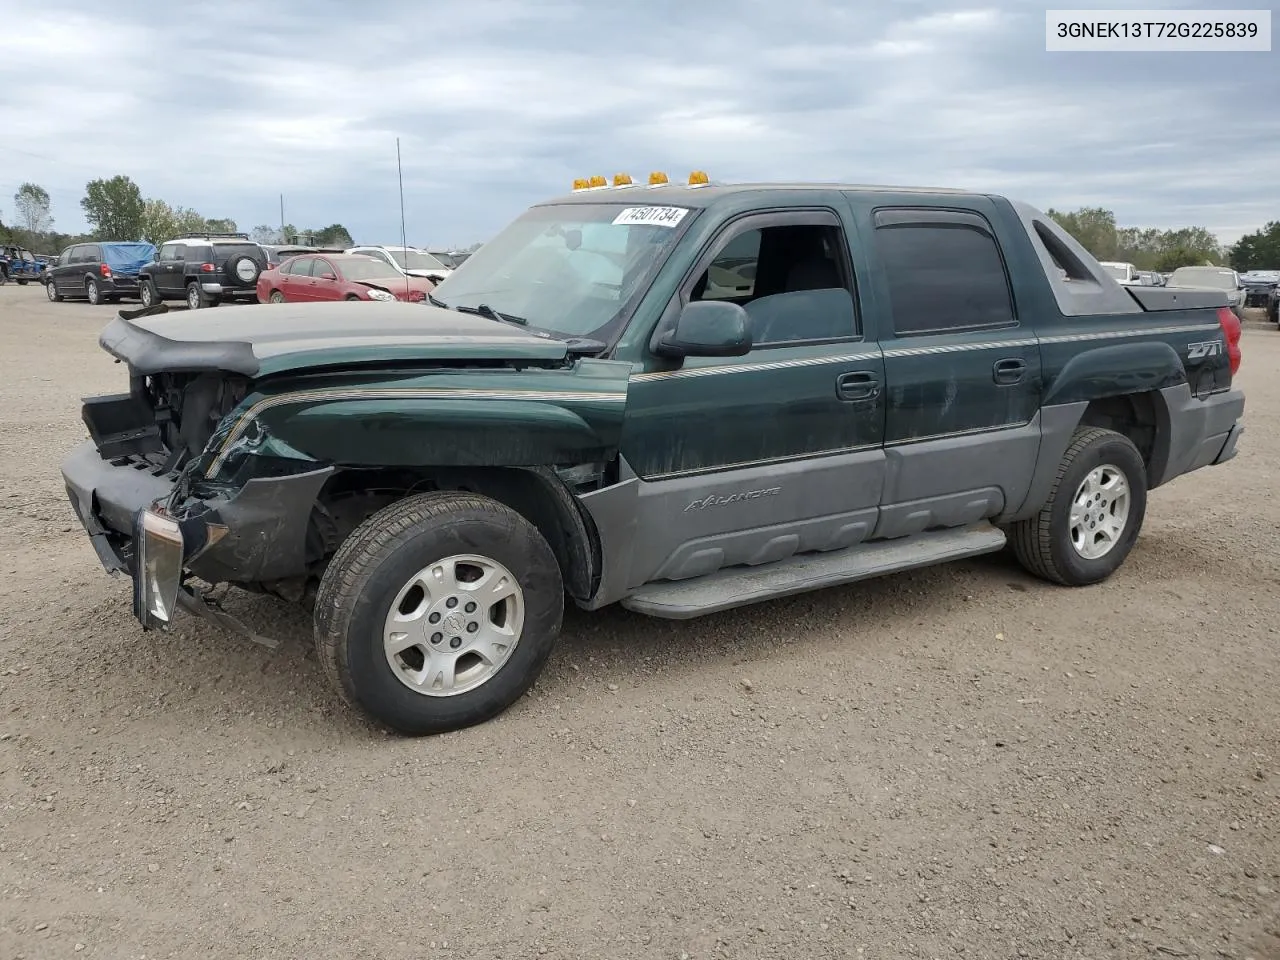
(98, 272)
(204, 269)
(1150, 278)
(1259, 287)
(278, 253)
(1125, 273)
(1212, 278)
(19, 265)
(410, 260)
(339, 276)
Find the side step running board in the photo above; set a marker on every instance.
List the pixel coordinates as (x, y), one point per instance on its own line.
(739, 586)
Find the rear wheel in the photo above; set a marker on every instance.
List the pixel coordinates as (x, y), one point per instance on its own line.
(196, 298)
(1094, 513)
(22, 282)
(438, 612)
(92, 292)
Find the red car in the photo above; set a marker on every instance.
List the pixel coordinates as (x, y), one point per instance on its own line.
(338, 276)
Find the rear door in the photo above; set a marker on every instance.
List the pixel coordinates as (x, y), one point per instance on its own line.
(963, 372)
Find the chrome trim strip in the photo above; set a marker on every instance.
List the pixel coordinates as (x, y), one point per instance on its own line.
(750, 367)
(744, 464)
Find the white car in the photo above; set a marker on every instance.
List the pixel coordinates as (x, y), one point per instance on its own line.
(1211, 278)
(1125, 273)
(410, 260)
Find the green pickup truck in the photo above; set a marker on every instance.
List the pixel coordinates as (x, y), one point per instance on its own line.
(682, 399)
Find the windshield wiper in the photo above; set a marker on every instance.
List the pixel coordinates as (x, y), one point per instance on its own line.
(484, 310)
(435, 302)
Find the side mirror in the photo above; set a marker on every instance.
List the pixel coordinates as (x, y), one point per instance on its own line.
(706, 328)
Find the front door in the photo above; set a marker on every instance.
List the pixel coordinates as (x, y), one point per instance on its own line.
(963, 374)
(747, 460)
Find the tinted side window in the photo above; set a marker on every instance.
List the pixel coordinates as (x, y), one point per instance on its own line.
(167, 252)
(92, 253)
(198, 253)
(943, 277)
(301, 267)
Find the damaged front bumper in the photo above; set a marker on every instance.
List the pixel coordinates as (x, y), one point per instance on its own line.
(255, 533)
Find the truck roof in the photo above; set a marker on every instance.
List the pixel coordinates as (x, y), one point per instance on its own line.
(684, 196)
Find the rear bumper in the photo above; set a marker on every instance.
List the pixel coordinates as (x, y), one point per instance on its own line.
(1203, 432)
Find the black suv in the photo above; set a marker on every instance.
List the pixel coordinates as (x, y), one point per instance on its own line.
(204, 269)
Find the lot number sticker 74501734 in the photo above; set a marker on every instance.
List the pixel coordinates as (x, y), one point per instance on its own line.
(654, 216)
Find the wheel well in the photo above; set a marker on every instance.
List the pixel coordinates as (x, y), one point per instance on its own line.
(1133, 415)
(352, 495)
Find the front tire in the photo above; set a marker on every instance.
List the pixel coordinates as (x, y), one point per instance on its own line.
(1094, 513)
(276, 297)
(438, 612)
(148, 294)
(51, 291)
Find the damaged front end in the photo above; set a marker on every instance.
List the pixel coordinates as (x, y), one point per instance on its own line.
(139, 489)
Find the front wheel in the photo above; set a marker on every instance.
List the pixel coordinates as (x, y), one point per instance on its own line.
(1094, 513)
(51, 291)
(438, 612)
(276, 297)
(148, 294)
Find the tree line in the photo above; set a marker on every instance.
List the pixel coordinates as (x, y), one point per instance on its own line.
(1167, 250)
(116, 210)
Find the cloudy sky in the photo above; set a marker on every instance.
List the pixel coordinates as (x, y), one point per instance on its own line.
(500, 103)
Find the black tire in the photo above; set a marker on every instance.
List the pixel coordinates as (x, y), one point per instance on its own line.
(351, 296)
(51, 291)
(148, 293)
(275, 297)
(1043, 543)
(377, 562)
(21, 282)
(195, 296)
(92, 292)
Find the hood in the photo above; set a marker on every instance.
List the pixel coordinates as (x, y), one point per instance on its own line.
(428, 274)
(267, 340)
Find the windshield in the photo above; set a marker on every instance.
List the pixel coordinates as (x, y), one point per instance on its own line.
(367, 270)
(1203, 277)
(1120, 273)
(416, 260)
(572, 268)
(447, 260)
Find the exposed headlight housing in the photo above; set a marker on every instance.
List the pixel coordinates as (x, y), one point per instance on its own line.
(381, 295)
(158, 549)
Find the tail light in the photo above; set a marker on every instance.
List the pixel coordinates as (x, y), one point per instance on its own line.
(1230, 324)
(207, 268)
(105, 271)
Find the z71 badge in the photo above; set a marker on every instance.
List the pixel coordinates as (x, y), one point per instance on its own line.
(1198, 351)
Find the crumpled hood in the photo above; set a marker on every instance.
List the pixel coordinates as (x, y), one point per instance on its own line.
(261, 340)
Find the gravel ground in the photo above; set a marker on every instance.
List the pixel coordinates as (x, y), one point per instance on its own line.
(961, 761)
